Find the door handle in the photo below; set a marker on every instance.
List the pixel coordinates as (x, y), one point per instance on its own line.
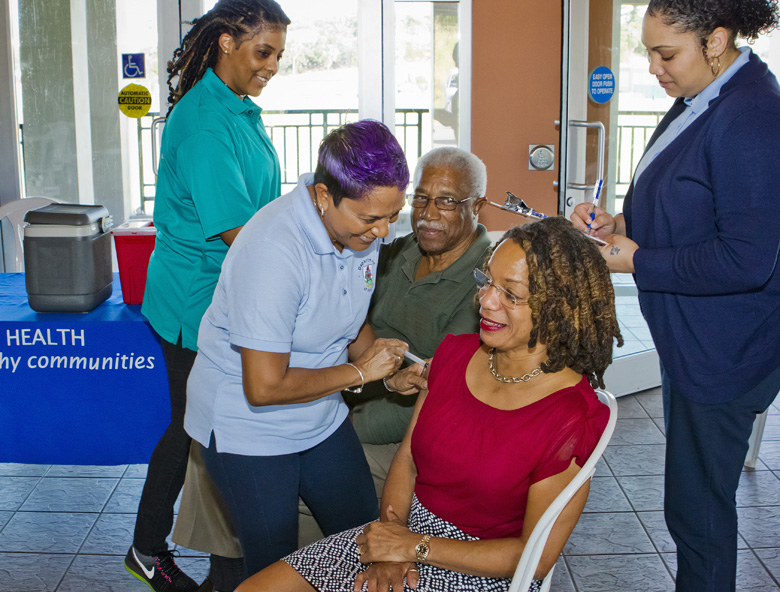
(155, 122)
(602, 136)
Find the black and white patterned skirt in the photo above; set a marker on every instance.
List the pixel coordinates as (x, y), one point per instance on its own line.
(332, 564)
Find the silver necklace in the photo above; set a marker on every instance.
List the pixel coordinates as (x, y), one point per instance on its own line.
(500, 377)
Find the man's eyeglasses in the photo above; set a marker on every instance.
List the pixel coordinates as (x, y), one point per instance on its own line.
(445, 204)
(507, 299)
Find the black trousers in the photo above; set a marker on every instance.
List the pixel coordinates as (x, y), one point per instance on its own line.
(168, 464)
(705, 451)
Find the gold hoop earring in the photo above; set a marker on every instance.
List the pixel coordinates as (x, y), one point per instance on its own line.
(715, 67)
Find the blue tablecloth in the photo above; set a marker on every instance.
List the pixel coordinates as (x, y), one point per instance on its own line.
(78, 388)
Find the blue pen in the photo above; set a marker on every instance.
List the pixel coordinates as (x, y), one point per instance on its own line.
(596, 195)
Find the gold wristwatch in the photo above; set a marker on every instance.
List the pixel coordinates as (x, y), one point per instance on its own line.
(423, 548)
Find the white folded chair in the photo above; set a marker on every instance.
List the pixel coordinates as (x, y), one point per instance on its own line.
(12, 250)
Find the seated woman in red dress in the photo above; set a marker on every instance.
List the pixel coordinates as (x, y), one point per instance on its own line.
(509, 418)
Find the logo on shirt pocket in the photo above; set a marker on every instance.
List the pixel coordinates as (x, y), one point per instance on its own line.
(366, 270)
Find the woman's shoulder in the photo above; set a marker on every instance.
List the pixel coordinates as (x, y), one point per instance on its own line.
(273, 223)
(465, 344)
(765, 94)
(454, 351)
(279, 229)
(581, 390)
(757, 90)
(746, 118)
(569, 426)
(581, 403)
(199, 111)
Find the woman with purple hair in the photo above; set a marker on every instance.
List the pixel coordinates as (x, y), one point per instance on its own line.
(288, 314)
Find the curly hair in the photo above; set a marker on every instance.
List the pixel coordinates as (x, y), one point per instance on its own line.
(743, 18)
(240, 19)
(571, 297)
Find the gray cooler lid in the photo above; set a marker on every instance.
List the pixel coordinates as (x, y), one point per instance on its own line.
(63, 214)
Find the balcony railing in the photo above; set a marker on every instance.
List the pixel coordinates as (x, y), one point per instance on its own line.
(296, 135)
(633, 133)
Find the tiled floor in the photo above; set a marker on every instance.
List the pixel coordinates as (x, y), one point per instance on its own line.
(636, 335)
(67, 528)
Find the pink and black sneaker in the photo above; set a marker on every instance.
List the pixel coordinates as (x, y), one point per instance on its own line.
(163, 575)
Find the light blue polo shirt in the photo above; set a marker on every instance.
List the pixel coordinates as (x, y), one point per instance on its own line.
(284, 288)
(218, 167)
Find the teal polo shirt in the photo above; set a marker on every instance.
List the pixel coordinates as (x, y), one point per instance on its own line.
(217, 168)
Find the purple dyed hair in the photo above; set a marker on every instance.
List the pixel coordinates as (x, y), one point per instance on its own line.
(358, 157)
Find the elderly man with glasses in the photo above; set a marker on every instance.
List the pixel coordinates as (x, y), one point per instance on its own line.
(425, 284)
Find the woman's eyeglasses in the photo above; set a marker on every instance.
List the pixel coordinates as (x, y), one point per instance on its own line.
(445, 204)
(506, 298)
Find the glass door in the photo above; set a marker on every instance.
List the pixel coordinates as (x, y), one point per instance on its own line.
(612, 105)
(427, 75)
(586, 118)
(609, 108)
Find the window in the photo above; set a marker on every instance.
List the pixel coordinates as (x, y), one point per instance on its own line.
(402, 62)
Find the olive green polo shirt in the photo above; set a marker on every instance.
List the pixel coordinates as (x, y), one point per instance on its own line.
(421, 313)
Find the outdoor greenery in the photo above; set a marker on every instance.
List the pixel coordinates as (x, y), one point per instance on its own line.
(631, 29)
(331, 44)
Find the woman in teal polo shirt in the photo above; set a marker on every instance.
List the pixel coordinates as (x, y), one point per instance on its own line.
(217, 168)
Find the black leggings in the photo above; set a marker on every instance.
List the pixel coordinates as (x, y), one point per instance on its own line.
(168, 463)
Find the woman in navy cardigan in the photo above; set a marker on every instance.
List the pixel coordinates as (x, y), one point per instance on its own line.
(700, 231)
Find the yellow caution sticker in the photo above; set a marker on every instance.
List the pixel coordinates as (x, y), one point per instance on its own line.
(135, 100)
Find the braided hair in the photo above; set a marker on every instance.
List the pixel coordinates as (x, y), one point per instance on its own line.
(571, 298)
(240, 19)
(743, 18)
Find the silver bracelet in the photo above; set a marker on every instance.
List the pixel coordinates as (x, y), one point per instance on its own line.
(356, 389)
(384, 382)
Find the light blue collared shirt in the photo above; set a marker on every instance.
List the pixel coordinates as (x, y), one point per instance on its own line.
(284, 288)
(695, 107)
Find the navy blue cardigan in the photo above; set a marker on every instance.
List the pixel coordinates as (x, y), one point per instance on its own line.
(706, 217)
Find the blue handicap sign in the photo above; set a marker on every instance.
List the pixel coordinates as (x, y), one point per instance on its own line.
(133, 65)
(601, 85)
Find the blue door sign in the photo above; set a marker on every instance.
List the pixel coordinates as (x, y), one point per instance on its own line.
(601, 85)
(133, 65)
